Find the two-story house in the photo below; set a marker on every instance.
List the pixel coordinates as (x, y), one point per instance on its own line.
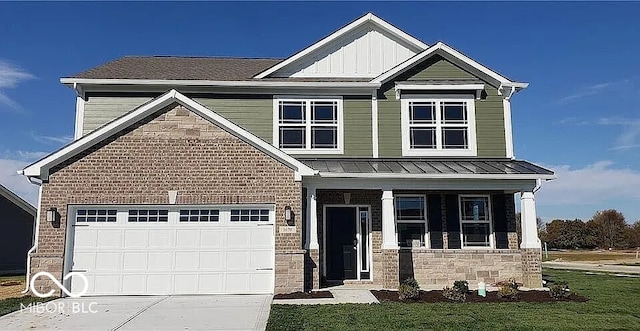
(368, 157)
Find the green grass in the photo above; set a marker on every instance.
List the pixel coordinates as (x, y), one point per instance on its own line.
(13, 304)
(614, 305)
(20, 278)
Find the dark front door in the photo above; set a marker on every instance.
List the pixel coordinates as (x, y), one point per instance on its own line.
(341, 243)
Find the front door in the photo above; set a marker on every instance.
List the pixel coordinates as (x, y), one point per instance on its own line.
(341, 243)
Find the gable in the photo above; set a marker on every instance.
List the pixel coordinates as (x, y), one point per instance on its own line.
(364, 48)
(41, 168)
(435, 68)
(364, 52)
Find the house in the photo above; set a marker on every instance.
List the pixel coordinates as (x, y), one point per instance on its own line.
(18, 220)
(368, 157)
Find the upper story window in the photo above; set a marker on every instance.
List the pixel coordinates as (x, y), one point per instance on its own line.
(305, 125)
(438, 126)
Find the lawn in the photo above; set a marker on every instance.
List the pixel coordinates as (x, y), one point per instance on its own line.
(614, 304)
(588, 256)
(13, 304)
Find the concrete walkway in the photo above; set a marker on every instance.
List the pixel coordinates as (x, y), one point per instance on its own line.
(339, 296)
(593, 267)
(205, 312)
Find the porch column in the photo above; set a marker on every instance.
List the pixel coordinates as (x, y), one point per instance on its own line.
(312, 220)
(389, 238)
(528, 221)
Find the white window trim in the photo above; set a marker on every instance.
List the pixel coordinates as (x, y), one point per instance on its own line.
(425, 221)
(439, 151)
(307, 124)
(489, 213)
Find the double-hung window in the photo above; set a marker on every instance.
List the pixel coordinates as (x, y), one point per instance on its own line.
(311, 126)
(443, 126)
(411, 220)
(475, 221)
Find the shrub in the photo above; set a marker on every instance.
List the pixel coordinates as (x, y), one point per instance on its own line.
(409, 289)
(461, 286)
(559, 290)
(453, 294)
(458, 292)
(508, 289)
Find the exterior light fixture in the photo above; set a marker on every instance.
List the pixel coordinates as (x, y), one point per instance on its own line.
(288, 214)
(52, 214)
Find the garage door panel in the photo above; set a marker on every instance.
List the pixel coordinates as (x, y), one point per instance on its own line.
(161, 238)
(85, 237)
(135, 238)
(211, 238)
(134, 261)
(187, 260)
(107, 284)
(134, 284)
(239, 260)
(238, 237)
(107, 261)
(174, 257)
(109, 238)
(211, 261)
(187, 238)
(159, 261)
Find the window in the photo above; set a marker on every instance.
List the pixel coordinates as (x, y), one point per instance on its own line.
(249, 215)
(199, 215)
(148, 215)
(411, 220)
(475, 221)
(308, 125)
(438, 126)
(95, 215)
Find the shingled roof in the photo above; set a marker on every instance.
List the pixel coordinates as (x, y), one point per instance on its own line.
(179, 68)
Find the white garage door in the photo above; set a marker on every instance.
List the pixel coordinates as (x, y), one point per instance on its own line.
(172, 249)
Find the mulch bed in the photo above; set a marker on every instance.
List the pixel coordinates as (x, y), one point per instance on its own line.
(436, 296)
(306, 295)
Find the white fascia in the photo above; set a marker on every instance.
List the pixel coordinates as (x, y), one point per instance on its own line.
(369, 17)
(436, 176)
(215, 83)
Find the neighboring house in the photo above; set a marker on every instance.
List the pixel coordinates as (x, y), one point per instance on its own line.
(17, 219)
(367, 157)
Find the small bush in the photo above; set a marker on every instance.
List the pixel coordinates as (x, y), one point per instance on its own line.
(509, 289)
(454, 295)
(409, 289)
(559, 290)
(461, 286)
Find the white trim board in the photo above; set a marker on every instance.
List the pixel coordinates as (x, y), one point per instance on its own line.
(449, 53)
(369, 17)
(210, 83)
(40, 169)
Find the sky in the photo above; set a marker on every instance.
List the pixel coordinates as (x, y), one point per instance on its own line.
(580, 115)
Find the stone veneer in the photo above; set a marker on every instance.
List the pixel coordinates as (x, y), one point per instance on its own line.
(173, 149)
(532, 267)
(441, 267)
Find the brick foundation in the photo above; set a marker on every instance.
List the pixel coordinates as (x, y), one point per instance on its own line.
(312, 270)
(532, 267)
(290, 271)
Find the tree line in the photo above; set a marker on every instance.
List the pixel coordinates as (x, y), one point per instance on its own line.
(606, 229)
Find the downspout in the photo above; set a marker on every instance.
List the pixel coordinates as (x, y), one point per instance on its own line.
(538, 185)
(35, 235)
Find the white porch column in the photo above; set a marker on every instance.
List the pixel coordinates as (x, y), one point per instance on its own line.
(528, 221)
(389, 238)
(312, 220)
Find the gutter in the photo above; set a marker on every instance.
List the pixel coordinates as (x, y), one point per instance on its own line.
(213, 83)
(36, 233)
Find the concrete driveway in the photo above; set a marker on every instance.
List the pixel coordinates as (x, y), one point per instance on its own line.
(202, 312)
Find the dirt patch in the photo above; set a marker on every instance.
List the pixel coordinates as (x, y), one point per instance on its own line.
(11, 291)
(306, 295)
(473, 297)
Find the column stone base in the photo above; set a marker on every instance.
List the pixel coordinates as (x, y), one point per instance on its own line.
(532, 267)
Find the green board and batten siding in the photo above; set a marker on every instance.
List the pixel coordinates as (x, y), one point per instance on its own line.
(490, 133)
(253, 114)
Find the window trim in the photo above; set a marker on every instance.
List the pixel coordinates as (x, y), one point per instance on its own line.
(469, 99)
(490, 221)
(425, 221)
(308, 99)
